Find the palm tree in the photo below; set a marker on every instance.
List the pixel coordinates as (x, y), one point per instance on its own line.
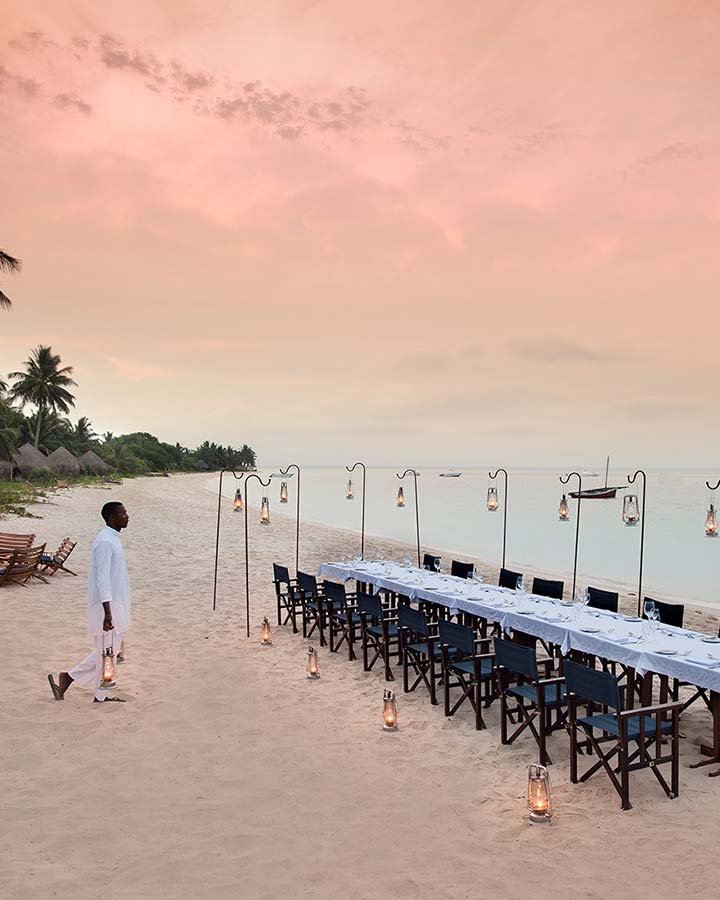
(44, 384)
(8, 264)
(83, 437)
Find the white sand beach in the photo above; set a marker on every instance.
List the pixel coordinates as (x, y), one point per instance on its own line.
(228, 775)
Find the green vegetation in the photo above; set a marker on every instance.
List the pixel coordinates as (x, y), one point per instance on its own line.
(44, 385)
(15, 496)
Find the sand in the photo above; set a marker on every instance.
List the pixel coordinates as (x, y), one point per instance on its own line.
(228, 775)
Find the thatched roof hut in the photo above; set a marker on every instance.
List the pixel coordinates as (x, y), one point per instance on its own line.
(28, 458)
(63, 462)
(92, 463)
(6, 470)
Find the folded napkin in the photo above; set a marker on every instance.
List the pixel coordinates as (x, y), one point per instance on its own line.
(703, 661)
(616, 638)
(549, 617)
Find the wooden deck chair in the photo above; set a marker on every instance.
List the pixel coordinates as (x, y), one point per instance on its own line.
(52, 562)
(21, 566)
(643, 727)
(378, 632)
(466, 659)
(526, 697)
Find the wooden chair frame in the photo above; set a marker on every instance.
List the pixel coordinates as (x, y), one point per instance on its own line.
(378, 632)
(416, 633)
(459, 648)
(288, 601)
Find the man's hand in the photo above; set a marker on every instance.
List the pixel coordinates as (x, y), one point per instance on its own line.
(108, 622)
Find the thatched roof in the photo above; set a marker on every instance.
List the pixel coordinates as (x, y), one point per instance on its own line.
(28, 458)
(63, 462)
(92, 463)
(5, 470)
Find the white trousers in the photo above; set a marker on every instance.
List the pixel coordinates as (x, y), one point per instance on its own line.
(90, 669)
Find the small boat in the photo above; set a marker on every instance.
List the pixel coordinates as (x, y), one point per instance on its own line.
(450, 475)
(607, 492)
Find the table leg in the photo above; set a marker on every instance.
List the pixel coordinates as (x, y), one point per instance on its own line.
(713, 753)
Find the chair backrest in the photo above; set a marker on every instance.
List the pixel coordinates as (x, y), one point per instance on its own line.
(335, 593)
(370, 604)
(516, 658)
(429, 561)
(459, 636)
(670, 613)
(281, 574)
(592, 684)
(65, 549)
(307, 583)
(545, 588)
(509, 579)
(461, 569)
(602, 599)
(413, 619)
(9, 541)
(22, 564)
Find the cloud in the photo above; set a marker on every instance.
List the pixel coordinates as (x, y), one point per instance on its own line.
(552, 349)
(70, 102)
(138, 371)
(114, 55)
(190, 81)
(680, 150)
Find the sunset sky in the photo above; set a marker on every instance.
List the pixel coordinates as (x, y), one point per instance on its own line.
(416, 232)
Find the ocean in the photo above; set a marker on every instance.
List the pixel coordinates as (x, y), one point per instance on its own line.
(680, 561)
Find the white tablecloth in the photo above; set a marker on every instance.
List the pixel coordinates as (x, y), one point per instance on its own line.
(608, 635)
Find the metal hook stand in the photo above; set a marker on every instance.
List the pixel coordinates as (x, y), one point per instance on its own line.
(631, 480)
(492, 477)
(417, 515)
(217, 534)
(362, 514)
(565, 480)
(297, 514)
(247, 560)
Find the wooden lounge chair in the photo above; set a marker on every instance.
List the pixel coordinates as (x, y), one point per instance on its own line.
(288, 601)
(51, 563)
(466, 659)
(10, 542)
(644, 727)
(525, 697)
(378, 632)
(21, 566)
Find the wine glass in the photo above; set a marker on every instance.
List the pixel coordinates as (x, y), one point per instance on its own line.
(438, 565)
(649, 608)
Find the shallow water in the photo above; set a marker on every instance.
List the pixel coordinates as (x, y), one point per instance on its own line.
(680, 561)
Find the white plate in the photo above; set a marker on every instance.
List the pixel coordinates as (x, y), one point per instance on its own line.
(666, 651)
(589, 630)
(710, 640)
(632, 618)
(525, 612)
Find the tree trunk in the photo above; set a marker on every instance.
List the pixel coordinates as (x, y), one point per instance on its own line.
(37, 427)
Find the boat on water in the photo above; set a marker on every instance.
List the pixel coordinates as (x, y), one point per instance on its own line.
(450, 475)
(608, 492)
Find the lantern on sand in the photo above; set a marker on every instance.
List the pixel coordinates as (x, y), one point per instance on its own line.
(313, 670)
(266, 633)
(539, 799)
(390, 712)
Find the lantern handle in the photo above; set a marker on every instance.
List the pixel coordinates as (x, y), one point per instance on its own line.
(715, 487)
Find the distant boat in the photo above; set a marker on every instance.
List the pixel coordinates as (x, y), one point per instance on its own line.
(450, 474)
(607, 492)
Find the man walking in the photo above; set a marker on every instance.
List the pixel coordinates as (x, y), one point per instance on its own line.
(108, 604)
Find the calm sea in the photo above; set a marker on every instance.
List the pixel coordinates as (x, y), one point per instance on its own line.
(680, 562)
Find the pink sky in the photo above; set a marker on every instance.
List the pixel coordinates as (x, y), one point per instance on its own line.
(415, 232)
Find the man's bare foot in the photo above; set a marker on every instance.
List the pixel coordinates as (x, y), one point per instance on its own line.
(109, 700)
(64, 682)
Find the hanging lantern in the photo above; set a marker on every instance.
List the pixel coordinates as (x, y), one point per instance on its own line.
(237, 502)
(266, 634)
(313, 670)
(564, 511)
(283, 492)
(265, 511)
(390, 713)
(107, 678)
(401, 497)
(539, 799)
(492, 499)
(631, 510)
(711, 525)
(349, 492)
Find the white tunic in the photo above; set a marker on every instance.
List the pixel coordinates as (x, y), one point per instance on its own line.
(108, 582)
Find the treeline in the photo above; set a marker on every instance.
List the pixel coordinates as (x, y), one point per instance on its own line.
(32, 403)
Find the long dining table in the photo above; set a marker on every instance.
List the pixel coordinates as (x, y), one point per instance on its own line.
(640, 646)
